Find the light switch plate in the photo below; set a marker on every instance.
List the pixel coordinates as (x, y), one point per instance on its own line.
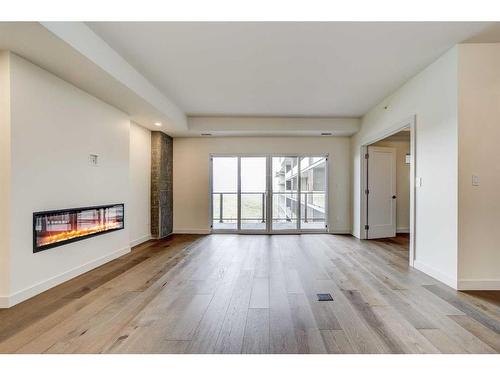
(475, 180)
(419, 181)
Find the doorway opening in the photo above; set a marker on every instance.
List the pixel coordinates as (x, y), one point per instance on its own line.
(388, 196)
(269, 194)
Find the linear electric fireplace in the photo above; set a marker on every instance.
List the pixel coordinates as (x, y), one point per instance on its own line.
(56, 228)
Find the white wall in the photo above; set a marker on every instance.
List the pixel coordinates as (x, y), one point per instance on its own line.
(55, 127)
(191, 174)
(402, 182)
(432, 97)
(4, 174)
(479, 136)
(140, 184)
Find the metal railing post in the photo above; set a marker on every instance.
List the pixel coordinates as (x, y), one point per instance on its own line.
(305, 207)
(263, 207)
(220, 207)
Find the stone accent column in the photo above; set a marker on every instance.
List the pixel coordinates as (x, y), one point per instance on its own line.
(161, 184)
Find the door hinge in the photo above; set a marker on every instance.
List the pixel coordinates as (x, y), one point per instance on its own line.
(367, 227)
(367, 156)
(367, 191)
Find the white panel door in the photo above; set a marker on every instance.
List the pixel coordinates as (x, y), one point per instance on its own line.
(381, 192)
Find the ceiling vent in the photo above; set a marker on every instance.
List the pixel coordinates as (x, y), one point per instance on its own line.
(206, 134)
(326, 134)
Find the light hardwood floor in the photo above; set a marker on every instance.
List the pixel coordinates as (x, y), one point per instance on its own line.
(255, 294)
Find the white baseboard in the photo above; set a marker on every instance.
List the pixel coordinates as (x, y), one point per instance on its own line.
(140, 240)
(479, 284)
(207, 231)
(355, 235)
(191, 231)
(22, 295)
(403, 230)
(435, 273)
(340, 231)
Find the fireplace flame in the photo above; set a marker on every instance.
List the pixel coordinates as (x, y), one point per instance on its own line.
(67, 235)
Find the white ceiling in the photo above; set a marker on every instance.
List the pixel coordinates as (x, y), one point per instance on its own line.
(336, 69)
(74, 53)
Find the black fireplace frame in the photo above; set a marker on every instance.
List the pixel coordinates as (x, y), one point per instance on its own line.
(37, 249)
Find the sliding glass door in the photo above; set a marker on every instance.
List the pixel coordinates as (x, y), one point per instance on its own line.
(253, 201)
(285, 212)
(225, 193)
(269, 193)
(239, 193)
(313, 192)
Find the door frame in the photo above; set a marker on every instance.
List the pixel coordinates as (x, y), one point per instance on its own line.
(269, 191)
(410, 123)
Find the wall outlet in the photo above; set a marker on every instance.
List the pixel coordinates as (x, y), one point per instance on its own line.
(94, 160)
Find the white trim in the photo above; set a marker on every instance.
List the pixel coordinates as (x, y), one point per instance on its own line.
(210, 195)
(22, 295)
(140, 240)
(435, 273)
(191, 231)
(362, 197)
(413, 205)
(370, 139)
(403, 230)
(479, 284)
(411, 123)
(340, 231)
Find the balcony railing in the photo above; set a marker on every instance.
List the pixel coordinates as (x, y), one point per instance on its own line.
(225, 207)
(253, 206)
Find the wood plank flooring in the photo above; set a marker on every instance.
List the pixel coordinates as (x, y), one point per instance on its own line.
(255, 294)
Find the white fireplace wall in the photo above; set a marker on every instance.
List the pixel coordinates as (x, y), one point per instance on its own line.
(54, 128)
